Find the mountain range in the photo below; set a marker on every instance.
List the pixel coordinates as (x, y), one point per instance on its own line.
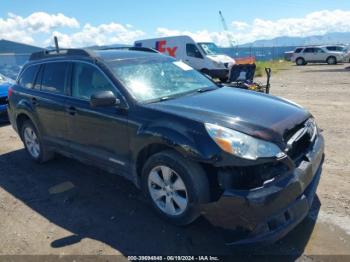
(329, 38)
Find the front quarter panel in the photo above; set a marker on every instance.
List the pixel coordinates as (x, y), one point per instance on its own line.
(185, 136)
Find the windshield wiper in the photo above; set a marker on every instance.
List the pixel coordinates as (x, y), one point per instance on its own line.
(161, 99)
(199, 90)
(205, 89)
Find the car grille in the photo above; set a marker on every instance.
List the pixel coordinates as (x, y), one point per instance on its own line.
(3, 100)
(299, 144)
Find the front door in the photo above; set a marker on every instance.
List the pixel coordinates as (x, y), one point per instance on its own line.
(320, 55)
(194, 57)
(309, 54)
(98, 133)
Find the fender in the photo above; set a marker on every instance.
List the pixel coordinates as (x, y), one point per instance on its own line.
(26, 108)
(190, 142)
(176, 137)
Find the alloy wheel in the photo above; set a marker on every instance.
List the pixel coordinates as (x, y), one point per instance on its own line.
(31, 142)
(331, 61)
(167, 190)
(300, 61)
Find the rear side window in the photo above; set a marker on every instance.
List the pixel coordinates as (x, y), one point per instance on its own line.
(193, 51)
(318, 50)
(54, 77)
(309, 50)
(335, 48)
(88, 80)
(28, 76)
(298, 50)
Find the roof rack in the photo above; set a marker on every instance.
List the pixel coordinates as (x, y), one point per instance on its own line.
(60, 52)
(132, 48)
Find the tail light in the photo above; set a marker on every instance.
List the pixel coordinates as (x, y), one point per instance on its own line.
(9, 92)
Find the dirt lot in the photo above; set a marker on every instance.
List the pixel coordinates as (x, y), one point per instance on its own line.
(64, 207)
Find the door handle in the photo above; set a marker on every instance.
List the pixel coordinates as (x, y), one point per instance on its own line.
(34, 101)
(71, 110)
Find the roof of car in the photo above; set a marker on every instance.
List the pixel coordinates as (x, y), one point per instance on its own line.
(111, 54)
(104, 54)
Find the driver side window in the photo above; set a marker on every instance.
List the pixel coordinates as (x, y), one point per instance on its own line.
(88, 80)
(193, 51)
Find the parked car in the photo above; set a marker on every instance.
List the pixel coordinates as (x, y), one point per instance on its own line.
(316, 54)
(341, 48)
(203, 56)
(288, 55)
(4, 85)
(10, 72)
(187, 142)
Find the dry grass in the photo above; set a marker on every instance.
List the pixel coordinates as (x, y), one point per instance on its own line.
(275, 65)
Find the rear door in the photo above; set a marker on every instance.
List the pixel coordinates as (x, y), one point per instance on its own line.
(320, 54)
(97, 133)
(49, 101)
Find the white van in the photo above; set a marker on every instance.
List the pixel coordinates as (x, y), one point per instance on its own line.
(203, 56)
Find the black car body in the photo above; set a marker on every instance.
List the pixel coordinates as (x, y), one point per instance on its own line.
(268, 196)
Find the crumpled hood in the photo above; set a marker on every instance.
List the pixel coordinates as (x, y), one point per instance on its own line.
(263, 116)
(222, 59)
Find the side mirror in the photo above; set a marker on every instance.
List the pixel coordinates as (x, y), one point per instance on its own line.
(103, 99)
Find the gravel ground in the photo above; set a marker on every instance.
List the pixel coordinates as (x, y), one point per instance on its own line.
(66, 208)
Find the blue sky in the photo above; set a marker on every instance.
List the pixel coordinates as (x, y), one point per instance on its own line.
(142, 19)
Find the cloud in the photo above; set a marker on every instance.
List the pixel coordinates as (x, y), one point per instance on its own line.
(103, 34)
(40, 27)
(200, 36)
(240, 26)
(315, 23)
(23, 29)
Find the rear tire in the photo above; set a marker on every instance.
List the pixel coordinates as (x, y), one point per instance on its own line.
(34, 144)
(331, 60)
(175, 186)
(300, 61)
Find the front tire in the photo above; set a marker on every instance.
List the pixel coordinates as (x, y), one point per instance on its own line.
(33, 143)
(175, 186)
(300, 61)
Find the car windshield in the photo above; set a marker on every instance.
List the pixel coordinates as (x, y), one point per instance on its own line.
(209, 48)
(150, 80)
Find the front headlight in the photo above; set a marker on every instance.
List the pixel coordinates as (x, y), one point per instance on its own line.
(240, 144)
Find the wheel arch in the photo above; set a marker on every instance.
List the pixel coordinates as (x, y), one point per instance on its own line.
(300, 57)
(165, 139)
(146, 152)
(21, 118)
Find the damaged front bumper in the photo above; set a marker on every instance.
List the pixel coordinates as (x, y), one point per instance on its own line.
(269, 212)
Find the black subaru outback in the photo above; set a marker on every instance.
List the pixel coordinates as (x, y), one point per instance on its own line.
(192, 146)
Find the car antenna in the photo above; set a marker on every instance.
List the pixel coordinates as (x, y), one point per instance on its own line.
(56, 44)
